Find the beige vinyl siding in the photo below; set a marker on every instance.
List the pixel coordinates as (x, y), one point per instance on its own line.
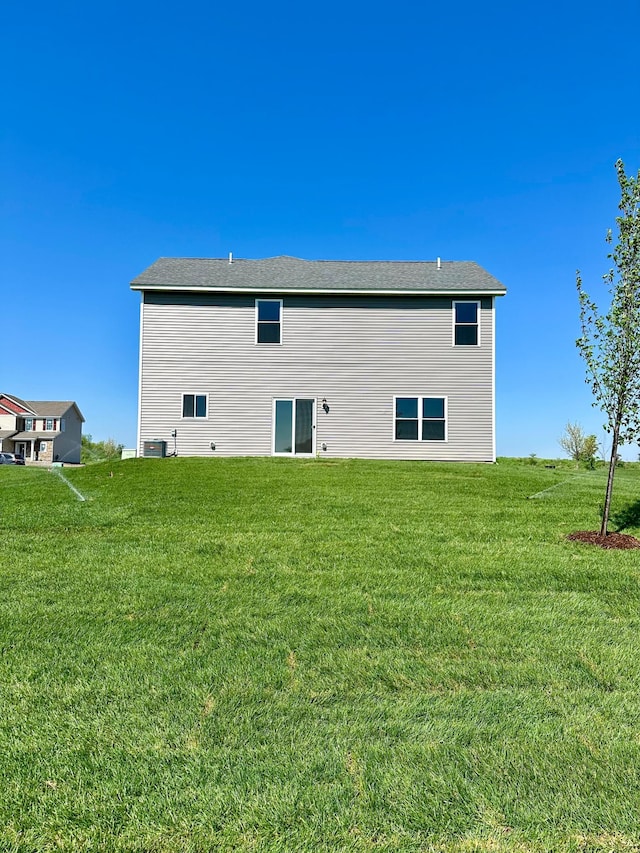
(358, 352)
(8, 422)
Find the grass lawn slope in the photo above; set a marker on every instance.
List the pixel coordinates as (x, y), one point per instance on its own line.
(282, 655)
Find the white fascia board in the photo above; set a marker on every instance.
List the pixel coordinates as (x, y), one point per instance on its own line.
(316, 291)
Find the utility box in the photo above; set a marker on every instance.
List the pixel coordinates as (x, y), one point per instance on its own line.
(155, 448)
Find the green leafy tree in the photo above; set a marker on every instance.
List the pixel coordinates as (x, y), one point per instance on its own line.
(590, 448)
(99, 451)
(610, 343)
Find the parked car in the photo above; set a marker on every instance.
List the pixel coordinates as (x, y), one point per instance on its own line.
(19, 458)
(7, 458)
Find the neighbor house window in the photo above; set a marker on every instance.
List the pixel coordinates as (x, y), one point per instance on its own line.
(268, 321)
(48, 424)
(28, 424)
(62, 424)
(420, 418)
(466, 324)
(194, 405)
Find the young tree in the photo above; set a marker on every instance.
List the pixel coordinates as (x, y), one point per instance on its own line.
(590, 449)
(603, 446)
(610, 343)
(576, 444)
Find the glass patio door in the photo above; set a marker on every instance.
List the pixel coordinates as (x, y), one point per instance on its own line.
(293, 427)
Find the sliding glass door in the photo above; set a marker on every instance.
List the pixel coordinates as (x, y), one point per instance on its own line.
(293, 426)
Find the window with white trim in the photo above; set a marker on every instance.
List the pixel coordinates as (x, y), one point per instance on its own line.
(28, 425)
(48, 424)
(420, 418)
(194, 406)
(268, 321)
(466, 324)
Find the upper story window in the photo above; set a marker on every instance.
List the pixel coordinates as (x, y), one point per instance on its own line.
(466, 324)
(63, 424)
(48, 424)
(194, 405)
(268, 321)
(28, 424)
(420, 419)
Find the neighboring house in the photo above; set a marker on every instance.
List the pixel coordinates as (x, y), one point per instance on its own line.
(371, 359)
(43, 431)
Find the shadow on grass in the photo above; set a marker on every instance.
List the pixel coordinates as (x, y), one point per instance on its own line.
(627, 517)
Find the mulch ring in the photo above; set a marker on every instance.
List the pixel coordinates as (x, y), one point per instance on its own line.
(618, 541)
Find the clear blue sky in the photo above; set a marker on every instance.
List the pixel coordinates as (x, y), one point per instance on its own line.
(349, 130)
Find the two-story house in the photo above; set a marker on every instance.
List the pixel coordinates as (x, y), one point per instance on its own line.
(43, 431)
(282, 356)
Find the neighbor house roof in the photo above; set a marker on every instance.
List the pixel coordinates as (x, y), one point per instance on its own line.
(294, 275)
(14, 405)
(36, 435)
(53, 408)
(38, 408)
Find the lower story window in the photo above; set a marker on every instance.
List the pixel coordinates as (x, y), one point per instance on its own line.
(420, 419)
(194, 405)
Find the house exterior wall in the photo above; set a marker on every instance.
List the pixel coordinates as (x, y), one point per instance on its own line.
(357, 352)
(7, 421)
(68, 444)
(44, 448)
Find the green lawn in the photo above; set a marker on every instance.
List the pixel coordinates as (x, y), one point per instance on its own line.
(274, 655)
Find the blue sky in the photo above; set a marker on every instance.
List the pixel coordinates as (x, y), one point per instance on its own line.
(350, 130)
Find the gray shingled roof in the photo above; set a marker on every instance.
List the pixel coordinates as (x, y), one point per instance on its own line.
(295, 275)
(36, 435)
(53, 408)
(45, 408)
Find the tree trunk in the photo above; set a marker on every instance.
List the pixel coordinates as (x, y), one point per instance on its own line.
(612, 468)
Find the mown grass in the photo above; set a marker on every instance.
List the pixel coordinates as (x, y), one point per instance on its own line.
(274, 655)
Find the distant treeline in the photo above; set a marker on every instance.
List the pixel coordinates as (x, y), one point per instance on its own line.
(99, 451)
